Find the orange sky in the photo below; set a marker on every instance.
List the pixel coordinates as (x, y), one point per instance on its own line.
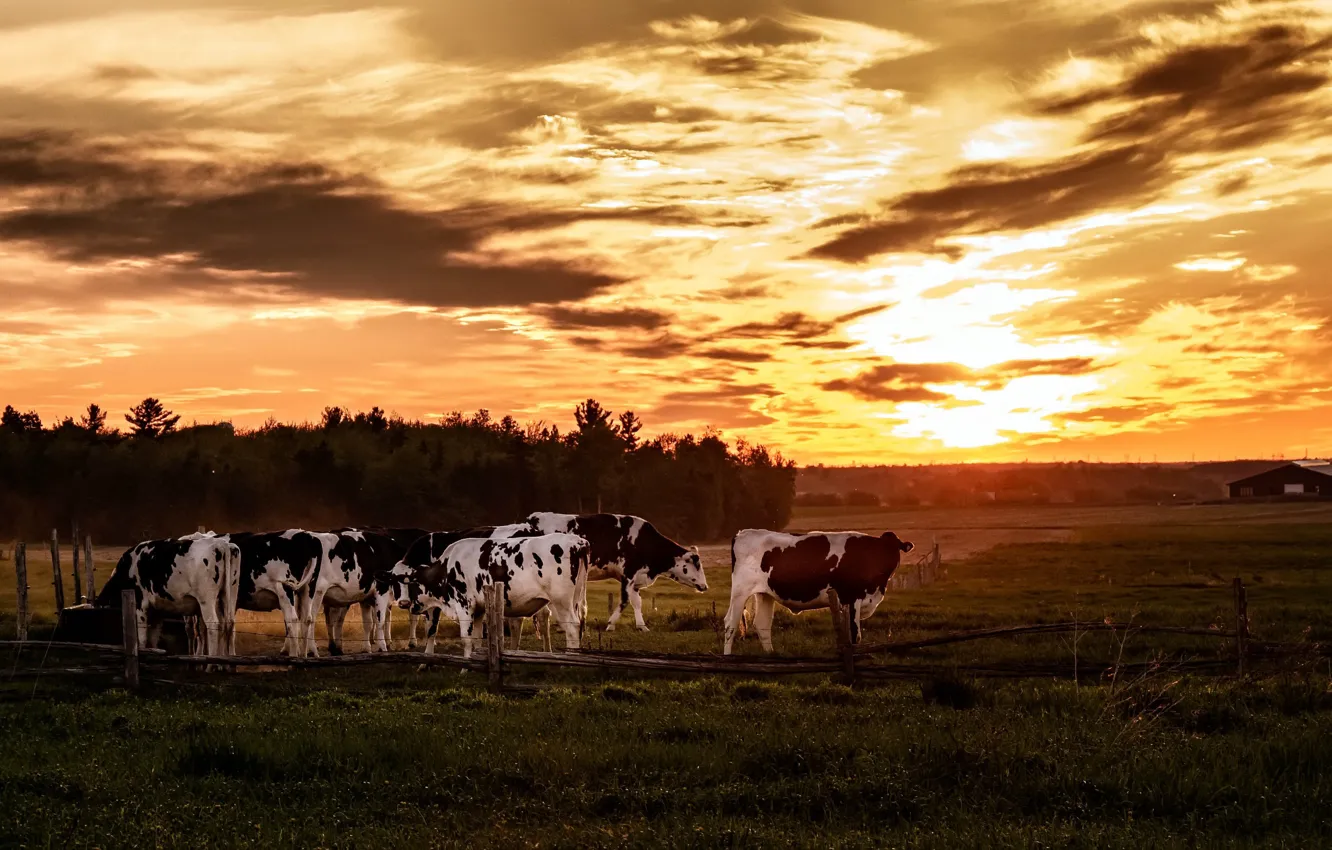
(854, 230)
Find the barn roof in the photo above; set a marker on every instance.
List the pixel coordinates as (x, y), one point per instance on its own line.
(1322, 467)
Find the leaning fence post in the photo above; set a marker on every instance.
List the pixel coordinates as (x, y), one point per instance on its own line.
(1241, 625)
(841, 615)
(56, 579)
(88, 566)
(129, 622)
(21, 591)
(495, 635)
(74, 567)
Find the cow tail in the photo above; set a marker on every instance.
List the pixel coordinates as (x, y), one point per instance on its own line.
(746, 613)
(312, 573)
(582, 562)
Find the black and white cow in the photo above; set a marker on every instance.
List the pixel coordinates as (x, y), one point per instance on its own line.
(628, 549)
(354, 560)
(195, 576)
(549, 570)
(797, 570)
(276, 570)
(390, 588)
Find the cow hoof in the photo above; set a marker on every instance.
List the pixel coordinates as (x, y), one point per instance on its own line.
(420, 668)
(411, 644)
(335, 650)
(610, 627)
(643, 628)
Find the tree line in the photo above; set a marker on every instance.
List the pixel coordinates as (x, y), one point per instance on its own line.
(370, 468)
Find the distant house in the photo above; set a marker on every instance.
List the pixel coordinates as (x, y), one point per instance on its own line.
(1298, 478)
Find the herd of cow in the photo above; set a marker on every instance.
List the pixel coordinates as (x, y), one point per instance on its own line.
(543, 562)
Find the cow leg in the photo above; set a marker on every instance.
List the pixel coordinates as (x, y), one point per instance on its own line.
(369, 625)
(432, 617)
(312, 605)
(466, 628)
(624, 600)
(515, 627)
(412, 621)
(542, 621)
(763, 609)
(334, 617)
(636, 600)
(856, 630)
(734, 615)
(289, 605)
(212, 627)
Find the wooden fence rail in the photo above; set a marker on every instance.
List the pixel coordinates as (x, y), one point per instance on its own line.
(850, 661)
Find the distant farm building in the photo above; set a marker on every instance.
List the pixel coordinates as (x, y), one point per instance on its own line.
(1298, 478)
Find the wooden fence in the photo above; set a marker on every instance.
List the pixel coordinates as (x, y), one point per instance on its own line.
(851, 663)
(83, 573)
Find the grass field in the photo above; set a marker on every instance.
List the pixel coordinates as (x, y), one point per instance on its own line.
(385, 757)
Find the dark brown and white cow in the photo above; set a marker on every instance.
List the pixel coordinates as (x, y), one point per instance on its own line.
(549, 570)
(195, 576)
(628, 549)
(797, 570)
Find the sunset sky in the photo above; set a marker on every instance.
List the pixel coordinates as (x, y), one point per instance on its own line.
(855, 230)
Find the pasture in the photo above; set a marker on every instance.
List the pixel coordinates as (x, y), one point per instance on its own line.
(392, 756)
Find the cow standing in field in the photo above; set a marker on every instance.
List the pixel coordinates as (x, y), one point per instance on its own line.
(354, 559)
(390, 587)
(798, 570)
(628, 549)
(193, 576)
(546, 571)
(276, 570)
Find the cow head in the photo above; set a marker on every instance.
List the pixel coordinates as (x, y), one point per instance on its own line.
(688, 570)
(396, 584)
(902, 545)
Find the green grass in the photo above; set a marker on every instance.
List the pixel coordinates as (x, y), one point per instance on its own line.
(430, 762)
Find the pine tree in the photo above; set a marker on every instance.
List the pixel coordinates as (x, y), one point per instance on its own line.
(151, 419)
(94, 421)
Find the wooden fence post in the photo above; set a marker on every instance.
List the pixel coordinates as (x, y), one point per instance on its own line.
(129, 622)
(841, 615)
(21, 591)
(74, 566)
(1241, 625)
(495, 635)
(56, 578)
(88, 570)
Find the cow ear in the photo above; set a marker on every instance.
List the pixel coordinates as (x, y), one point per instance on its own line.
(907, 546)
(693, 549)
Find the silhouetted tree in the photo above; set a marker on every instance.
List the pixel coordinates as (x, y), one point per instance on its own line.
(151, 419)
(94, 420)
(17, 422)
(630, 425)
(597, 447)
(333, 417)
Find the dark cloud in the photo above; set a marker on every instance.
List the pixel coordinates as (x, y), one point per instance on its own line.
(767, 32)
(573, 318)
(739, 355)
(800, 330)
(1218, 97)
(300, 226)
(1207, 98)
(1003, 196)
(899, 382)
(662, 348)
